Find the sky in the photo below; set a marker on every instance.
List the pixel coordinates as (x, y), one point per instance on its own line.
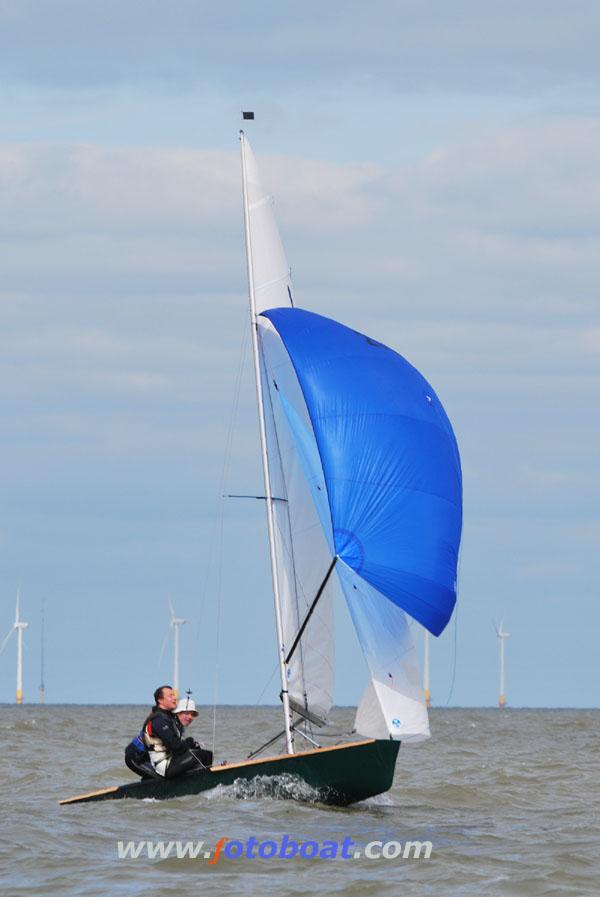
(436, 169)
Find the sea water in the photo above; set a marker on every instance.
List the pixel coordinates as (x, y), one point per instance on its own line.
(508, 801)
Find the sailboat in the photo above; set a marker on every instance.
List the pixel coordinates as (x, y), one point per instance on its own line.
(363, 494)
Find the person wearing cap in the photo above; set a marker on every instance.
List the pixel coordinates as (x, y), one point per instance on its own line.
(170, 753)
(185, 713)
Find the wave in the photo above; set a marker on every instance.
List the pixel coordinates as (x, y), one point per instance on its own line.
(281, 787)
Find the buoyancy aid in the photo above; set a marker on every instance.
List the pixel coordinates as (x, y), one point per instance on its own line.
(138, 742)
(160, 754)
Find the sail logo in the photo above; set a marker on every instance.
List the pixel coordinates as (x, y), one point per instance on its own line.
(396, 723)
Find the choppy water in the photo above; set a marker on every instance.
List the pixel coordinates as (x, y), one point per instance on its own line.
(510, 801)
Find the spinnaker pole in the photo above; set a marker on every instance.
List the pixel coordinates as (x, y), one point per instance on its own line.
(289, 738)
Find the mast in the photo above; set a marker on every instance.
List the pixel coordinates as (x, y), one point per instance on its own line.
(265, 458)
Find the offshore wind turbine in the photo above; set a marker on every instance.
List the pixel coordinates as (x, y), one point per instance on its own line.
(18, 626)
(502, 635)
(426, 669)
(176, 622)
(42, 689)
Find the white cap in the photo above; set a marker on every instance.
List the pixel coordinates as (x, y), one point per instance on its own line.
(186, 705)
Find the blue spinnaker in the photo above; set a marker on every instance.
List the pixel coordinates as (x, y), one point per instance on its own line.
(390, 461)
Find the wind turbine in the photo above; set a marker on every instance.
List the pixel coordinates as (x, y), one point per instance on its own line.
(176, 622)
(502, 635)
(426, 669)
(42, 689)
(19, 625)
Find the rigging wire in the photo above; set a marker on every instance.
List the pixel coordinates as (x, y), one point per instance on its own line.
(270, 679)
(215, 552)
(226, 455)
(221, 516)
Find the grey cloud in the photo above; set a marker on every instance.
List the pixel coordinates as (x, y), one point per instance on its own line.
(492, 228)
(404, 46)
(48, 190)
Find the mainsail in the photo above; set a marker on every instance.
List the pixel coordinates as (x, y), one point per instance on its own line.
(363, 471)
(270, 272)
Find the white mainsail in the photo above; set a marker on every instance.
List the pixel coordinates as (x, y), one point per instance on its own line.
(270, 270)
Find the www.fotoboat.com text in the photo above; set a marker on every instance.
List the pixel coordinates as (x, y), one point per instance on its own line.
(285, 848)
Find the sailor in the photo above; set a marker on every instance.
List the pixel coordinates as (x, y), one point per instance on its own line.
(171, 754)
(137, 757)
(185, 713)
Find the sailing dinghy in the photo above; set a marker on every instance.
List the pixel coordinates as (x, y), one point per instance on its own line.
(363, 493)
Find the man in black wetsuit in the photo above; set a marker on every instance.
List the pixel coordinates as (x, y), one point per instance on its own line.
(170, 753)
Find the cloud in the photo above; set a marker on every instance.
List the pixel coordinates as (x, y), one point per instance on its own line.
(494, 222)
(447, 258)
(70, 190)
(404, 46)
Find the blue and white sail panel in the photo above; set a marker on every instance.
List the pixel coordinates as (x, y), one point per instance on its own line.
(390, 462)
(270, 269)
(303, 554)
(393, 705)
(310, 460)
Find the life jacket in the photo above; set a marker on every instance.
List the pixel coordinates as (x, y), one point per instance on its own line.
(160, 756)
(136, 745)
